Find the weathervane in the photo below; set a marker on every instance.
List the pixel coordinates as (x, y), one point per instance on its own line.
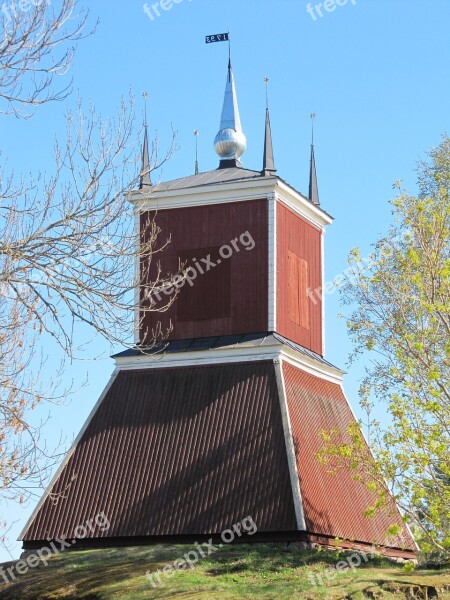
(267, 81)
(196, 132)
(312, 117)
(145, 96)
(220, 37)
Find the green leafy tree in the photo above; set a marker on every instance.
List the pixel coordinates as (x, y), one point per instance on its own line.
(399, 304)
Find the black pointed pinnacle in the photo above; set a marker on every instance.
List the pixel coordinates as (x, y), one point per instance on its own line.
(313, 187)
(268, 159)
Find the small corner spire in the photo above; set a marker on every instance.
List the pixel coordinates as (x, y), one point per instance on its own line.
(313, 187)
(268, 159)
(196, 132)
(145, 180)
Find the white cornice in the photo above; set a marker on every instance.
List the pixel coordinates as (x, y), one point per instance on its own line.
(216, 193)
(311, 366)
(221, 193)
(302, 205)
(231, 355)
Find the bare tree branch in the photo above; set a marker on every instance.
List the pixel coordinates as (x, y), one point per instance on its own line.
(37, 46)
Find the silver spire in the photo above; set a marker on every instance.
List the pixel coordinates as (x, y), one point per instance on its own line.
(230, 143)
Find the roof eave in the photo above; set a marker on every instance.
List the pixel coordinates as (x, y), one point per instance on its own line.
(231, 354)
(144, 200)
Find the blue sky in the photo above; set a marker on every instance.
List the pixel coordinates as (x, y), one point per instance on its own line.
(374, 71)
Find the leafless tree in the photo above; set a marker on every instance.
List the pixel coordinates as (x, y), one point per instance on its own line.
(68, 252)
(37, 45)
(68, 245)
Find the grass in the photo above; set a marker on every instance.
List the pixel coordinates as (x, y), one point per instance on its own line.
(263, 572)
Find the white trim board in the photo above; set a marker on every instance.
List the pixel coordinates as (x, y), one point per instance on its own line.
(322, 261)
(272, 262)
(290, 449)
(222, 193)
(230, 355)
(137, 275)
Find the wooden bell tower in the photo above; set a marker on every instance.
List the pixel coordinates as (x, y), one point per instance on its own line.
(224, 422)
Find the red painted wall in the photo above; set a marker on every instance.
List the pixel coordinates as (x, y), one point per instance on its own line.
(229, 298)
(299, 266)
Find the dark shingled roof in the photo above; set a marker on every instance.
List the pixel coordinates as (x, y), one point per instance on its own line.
(218, 176)
(221, 176)
(225, 341)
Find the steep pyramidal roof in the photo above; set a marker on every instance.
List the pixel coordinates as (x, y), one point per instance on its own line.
(190, 450)
(177, 451)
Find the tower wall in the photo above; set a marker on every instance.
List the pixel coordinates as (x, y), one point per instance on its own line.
(299, 268)
(231, 296)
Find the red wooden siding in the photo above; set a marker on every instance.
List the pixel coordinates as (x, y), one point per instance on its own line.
(297, 290)
(299, 267)
(333, 505)
(196, 304)
(177, 451)
(241, 280)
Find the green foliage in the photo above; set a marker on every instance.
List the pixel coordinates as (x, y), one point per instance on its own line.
(400, 320)
(408, 567)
